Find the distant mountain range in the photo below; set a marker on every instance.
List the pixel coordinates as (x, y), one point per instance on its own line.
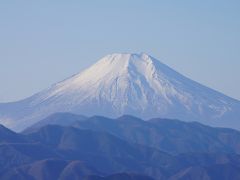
(172, 136)
(134, 84)
(100, 148)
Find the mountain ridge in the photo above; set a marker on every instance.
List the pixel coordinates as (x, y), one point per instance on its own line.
(66, 152)
(171, 136)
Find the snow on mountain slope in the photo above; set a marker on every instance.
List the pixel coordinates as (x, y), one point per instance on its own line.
(135, 84)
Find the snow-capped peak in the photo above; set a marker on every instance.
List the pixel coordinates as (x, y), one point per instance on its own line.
(134, 84)
(115, 78)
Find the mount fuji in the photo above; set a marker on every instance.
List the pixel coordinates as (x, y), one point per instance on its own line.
(134, 84)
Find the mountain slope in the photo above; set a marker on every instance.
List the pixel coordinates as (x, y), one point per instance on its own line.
(8, 136)
(63, 119)
(135, 84)
(51, 169)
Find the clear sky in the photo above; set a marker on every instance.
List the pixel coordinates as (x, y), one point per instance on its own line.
(46, 41)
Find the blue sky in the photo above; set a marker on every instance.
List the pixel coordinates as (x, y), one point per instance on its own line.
(43, 42)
